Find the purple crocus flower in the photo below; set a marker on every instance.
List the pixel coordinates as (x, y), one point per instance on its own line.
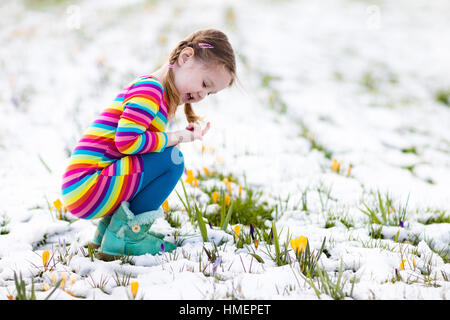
(163, 249)
(216, 264)
(210, 225)
(252, 230)
(401, 224)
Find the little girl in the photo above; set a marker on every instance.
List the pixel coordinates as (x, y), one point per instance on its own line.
(125, 165)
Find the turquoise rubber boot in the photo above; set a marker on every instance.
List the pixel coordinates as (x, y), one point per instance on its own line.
(101, 227)
(100, 232)
(128, 235)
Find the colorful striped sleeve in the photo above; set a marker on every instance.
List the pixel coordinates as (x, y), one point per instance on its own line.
(140, 107)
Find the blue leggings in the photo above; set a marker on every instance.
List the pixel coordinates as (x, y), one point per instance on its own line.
(162, 171)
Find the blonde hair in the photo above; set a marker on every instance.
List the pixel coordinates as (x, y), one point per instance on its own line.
(221, 54)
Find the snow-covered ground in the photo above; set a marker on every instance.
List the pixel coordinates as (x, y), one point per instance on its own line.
(357, 78)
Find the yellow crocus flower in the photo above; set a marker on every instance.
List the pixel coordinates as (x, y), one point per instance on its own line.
(294, 245)
(45, 257)
(206, 171)
(299, 244)
(215, 196)
(134, 288)
(57, 205)
(189, 180)
(229, 187)
(237, 230)
(227, 199)
(240, 190)
(348, 171)
(402, 264)
(190, 177)
(336, 165)
(165, 206)
(303, 242)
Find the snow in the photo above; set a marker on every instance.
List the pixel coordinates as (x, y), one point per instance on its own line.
(358, 78)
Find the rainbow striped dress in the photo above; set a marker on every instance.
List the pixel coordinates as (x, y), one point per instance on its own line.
(106, 167)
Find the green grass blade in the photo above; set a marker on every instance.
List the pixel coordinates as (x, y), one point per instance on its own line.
(276, 242)
(371, 215)
(257, 257)
(201, 224)
(228, 217)
(186, 196)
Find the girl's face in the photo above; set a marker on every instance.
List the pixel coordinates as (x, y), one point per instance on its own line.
(194, 80)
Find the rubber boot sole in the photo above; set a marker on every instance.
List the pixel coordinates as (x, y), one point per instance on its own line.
(108, 257)
(93, 245)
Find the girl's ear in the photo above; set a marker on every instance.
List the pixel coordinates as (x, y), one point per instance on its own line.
(185, 54)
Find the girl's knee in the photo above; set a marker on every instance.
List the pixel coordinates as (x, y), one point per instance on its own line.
(177, 159)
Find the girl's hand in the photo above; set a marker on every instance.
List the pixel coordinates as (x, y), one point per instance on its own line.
(197, 130)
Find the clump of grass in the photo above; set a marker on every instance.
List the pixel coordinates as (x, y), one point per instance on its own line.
(194, 212)
(40, 243)
(21, 289)
(244, 209)
(443, 96)
(443, 252)
(241, 237)
(122, 279)
(201, 223)
(412, 150)
(335, 288)
(281, 253)
(307, 259)
(173, 221)
(267, 79)
(369, 82)
(241, 208)
(212, 254)
(4, 221)
(376, 232)
(384, 213)
(438, 216)
(100, 284)
(332, 219)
